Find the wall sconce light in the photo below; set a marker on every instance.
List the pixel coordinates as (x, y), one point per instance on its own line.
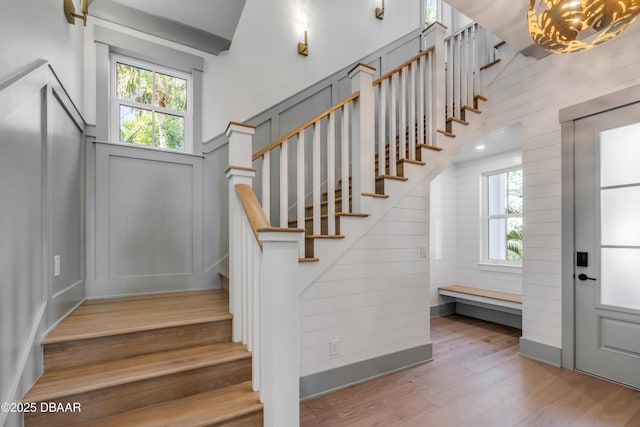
(380, 11)
(70, 11)
(303, 48)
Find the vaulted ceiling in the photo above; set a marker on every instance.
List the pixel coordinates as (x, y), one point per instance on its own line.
(506, 19)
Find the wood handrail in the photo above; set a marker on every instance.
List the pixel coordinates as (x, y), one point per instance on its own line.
(303, 126)
(397, 69)
(252, 208)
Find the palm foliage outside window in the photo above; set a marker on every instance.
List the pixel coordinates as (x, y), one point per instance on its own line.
(504, 216)
(150, 105)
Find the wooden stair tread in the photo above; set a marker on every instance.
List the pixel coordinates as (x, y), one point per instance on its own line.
(358, 215)
(202, 409)
(224, 274)
(413, 162)
(324, 236)
(106, 317)
(470, 108)
(325, 216)
(308, 259)
(376, 195)
(490, 64)
(481, 98)
(499, 44)
(471, 290)
(397, 178)
(457, 120)
(445, 133)
(429, 147)
(68, 382)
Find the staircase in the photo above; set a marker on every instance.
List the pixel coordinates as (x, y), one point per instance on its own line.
(164, 359)
(339, 174)
(182, 359)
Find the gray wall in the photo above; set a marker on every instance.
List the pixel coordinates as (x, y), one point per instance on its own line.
(41, 216)
(152, 230)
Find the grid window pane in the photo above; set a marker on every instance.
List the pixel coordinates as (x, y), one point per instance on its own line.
(497, 193)
(619, 154)
(514, 239)
(133, 83)
(498, 239)
(170, 92)
(135, 125)
(514, 195)
(620, 225)
(620, 280)
(169, 131)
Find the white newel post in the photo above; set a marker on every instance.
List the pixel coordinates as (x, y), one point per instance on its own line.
(363, 135)
(434, 36)
(280, 317)
(240, 171)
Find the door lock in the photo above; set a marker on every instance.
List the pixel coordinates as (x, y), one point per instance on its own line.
(583, 276)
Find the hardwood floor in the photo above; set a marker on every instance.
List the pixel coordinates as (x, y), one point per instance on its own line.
(477, 379)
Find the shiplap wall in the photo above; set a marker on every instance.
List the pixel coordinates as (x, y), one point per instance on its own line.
(443, 232)
(375, 299)
(456, 227)
(468, 224)
(533, 92)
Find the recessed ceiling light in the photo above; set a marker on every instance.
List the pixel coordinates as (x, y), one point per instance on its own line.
(480, 147)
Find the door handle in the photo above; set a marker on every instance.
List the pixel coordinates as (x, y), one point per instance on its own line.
(583, 276)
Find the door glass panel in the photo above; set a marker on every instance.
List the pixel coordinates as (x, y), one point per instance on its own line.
(619, 154)
(621, 216)
(620, 278)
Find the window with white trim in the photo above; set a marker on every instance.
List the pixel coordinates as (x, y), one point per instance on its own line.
(151, 105)
(502, 242)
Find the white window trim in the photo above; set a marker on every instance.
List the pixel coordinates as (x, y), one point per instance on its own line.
(485, 263)
(114, 125)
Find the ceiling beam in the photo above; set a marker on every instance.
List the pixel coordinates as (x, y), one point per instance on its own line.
(158, 26)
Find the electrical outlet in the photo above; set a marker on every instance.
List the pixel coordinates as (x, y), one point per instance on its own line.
(333, 348)
(56, 266)
(423, 252)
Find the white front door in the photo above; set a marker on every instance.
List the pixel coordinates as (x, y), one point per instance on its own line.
(607, 244)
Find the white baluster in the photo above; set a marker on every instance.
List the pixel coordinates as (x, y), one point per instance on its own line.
(331, 175)
(429, 96)
(300, 202)
(256, 364)
(382, 117)
(316, 180)
(403, 114)
(463, 69)
(266, 184)
(284, 184)
(434, 36)
(246, 235)
(250, 287)
(344, 146)
(393, 135)
(421, 106)
(412, 110)
(450, 78)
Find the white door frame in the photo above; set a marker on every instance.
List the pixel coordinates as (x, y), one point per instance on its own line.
(568, 116)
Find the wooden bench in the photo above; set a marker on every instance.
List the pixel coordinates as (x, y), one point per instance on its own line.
(494, 306)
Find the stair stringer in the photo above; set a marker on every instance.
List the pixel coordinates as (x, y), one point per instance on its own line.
(329, 251)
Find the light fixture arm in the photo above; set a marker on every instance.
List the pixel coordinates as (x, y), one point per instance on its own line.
(380, 11)
(70, 12)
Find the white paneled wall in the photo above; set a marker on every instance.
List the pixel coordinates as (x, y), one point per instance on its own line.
(443, 232)
(533, 92)
(375, 299)
(456, 225)
(468, 223)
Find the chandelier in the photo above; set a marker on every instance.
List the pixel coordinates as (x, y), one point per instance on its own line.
(562, 26)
